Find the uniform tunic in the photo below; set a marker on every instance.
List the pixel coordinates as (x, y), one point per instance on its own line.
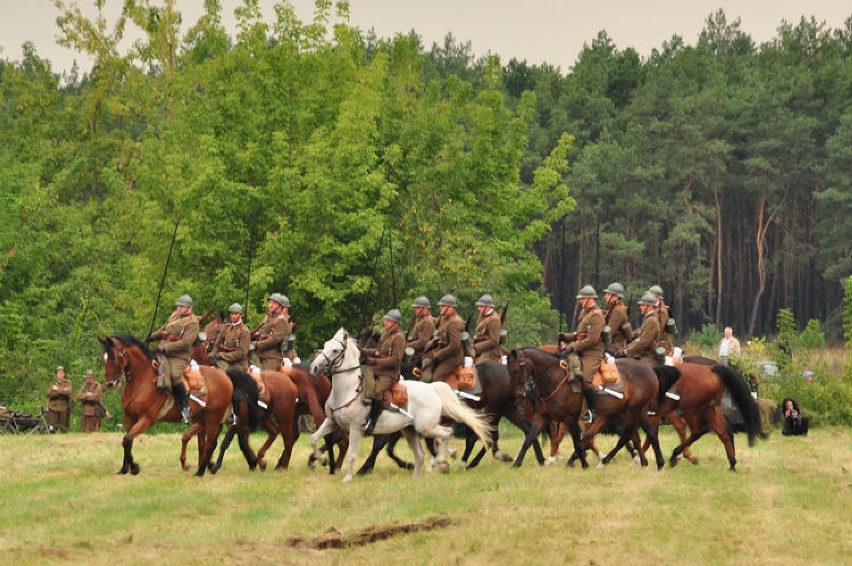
(232, 347)
(450, 351)
(90, 396)
(619, 323)
(486, 342)
(421, 333)
(59, 402)
(588, 344)
(177, 337)
(649, 334)
(270, 339)
(388, 354)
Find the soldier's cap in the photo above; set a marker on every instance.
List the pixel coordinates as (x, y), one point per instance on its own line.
(648, 299)
(89, 373)
(393, 315)
(485, 301)
(448, 301)
(184, 301)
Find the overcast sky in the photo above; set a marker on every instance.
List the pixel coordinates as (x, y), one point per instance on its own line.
(539, 31)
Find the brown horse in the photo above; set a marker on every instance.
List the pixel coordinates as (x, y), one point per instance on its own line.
(697, 389)
(556, 398)
(127, 357)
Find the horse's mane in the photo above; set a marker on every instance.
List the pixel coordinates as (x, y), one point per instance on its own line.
(130, 340)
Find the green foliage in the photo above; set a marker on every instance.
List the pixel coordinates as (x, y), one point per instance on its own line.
(812, 337)
(827, 399)
(707, 338)
(847, 312)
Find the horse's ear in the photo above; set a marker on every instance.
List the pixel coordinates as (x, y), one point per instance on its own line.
(102, 340)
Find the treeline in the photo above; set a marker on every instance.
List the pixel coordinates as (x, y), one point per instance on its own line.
(353, 173)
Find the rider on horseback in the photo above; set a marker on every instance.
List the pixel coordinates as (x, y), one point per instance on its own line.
(274, 329)
(645, 345)
(448, 350)
(177, 337)
(586, 341)
(385, 359)
(616, 317)
(421, 331)
(231, 348)
(486, 342)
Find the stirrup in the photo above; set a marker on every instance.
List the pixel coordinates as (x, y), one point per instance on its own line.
(185, 417)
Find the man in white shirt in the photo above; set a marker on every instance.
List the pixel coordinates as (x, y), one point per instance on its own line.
(728, 346)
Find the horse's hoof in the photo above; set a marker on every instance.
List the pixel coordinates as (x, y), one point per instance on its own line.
(600, 465)
(262, 465)
(444, 467)
(323, 460)
(121, 472)
(550, 461)
(462, 465)
(693, 460)
(502, 456)
(672, 462)
(637, 460)
(347, 478)
(134, 469)
(452, 453)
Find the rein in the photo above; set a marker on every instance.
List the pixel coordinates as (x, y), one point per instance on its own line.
(333, 370)
(523, 363)
(125, 374)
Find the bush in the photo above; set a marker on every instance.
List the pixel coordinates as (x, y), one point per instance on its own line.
(812, 337)
(707, 338)
(827, 400)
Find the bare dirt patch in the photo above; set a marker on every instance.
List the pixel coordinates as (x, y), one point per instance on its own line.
(332, 538)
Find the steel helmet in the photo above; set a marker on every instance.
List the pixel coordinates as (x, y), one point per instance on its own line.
(448, 301)
(587, 292)
(485, 301)
(422, 301)
(280, 299)
(656, 290)
(394, 315)
(648, 299)
(184, 301)
(236, 307)
(616, 289)
(89, 373)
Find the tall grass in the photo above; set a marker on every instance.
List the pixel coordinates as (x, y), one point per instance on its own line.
(61, 501)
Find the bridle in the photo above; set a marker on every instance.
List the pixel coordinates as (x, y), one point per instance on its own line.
(333, 364)
(123, 360)
(528, 374)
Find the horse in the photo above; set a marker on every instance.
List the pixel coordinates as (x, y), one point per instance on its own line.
(697, 389)
(346, 409)
(127, 358)
(498, 399)
(563, 403)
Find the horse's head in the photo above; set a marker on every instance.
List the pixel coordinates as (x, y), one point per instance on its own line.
(519, 371)
(121, 355)
(337, 352)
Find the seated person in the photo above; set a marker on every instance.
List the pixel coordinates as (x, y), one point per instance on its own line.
(795, 422)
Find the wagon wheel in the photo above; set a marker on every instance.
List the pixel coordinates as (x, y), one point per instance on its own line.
(8, 427)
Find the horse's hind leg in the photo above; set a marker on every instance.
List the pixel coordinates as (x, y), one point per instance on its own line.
(226, 442)
(272, 433)
(207, 440)
(652, 434)
(289, 436)
(717, 422)
(394, 439)
(184, 441)
(413, 439)
(379, 442)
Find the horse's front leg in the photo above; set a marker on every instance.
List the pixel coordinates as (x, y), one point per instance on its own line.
(133, 430)
(327, 427)
(184, 441)
(354, 441)
(538, 423)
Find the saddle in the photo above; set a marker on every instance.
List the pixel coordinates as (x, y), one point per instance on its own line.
(608, 377)
(396, 395)
(465, 378)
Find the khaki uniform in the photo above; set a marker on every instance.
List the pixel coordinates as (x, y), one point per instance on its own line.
(588, 344)
(59, 402)
(618, 321)
(421, 333)
(663, 316)
(388, 354)
(270, 341)
(486, 341)
(90, 395)
(178, 337)
(649, 335)
(232, 347)
(449, 354)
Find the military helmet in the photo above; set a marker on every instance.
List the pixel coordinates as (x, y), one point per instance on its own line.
(394, 315)
(448, 301)
(236, 307)
(422, 301)
(485, 301)
(616, 289)
(280, 299)
(656, 290)
(648, 299)
(89, 373)
(587, 292)
(60, 368)
(184, 301)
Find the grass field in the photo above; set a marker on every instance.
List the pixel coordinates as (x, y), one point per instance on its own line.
(790, 503)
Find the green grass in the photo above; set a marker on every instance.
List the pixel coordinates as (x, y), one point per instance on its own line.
(790, 502)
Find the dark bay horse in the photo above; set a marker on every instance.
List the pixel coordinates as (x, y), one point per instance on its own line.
(558, 399)
(697, 389)
(126, 357)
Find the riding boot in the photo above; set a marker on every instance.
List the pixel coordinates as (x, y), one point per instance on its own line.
(375, 411)
(589, 394)
(182, 397)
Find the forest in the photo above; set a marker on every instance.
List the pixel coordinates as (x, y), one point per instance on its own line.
(353, 172)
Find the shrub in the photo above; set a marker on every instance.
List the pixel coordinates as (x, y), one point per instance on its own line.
(707, 338)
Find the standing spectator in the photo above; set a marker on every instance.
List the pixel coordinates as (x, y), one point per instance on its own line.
(728, 347)
(59, 401)
(90, 396)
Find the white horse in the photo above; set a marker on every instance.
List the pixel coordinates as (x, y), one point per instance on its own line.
(427, 403)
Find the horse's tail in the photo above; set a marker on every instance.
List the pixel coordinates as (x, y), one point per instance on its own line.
(245, 391)
(741, 395)
(453, 408)
(667, 376)
(308, 394)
